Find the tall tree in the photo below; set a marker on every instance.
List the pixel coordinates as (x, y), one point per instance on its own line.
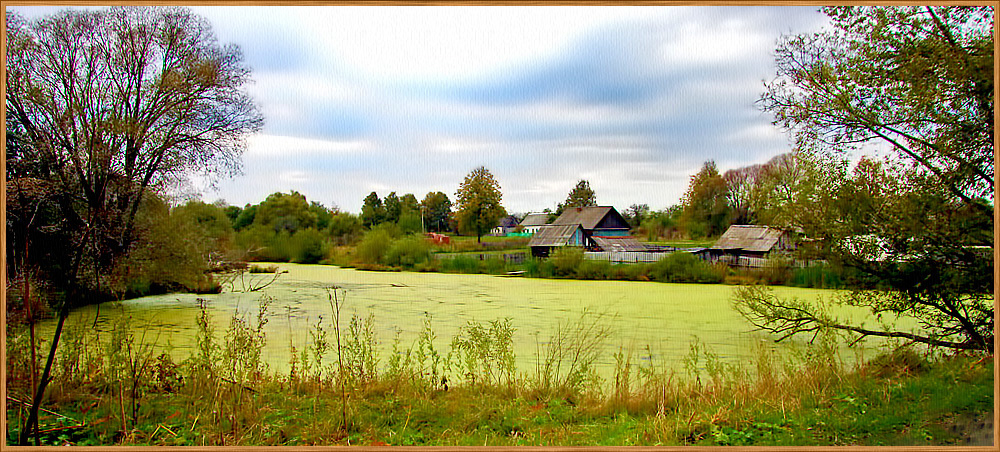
(740, 185)
(580, 196)
(372, 211)
(706, 209)
(110, 105)
(392, 207)
(436, 209)
(479, 208)
(917, 229)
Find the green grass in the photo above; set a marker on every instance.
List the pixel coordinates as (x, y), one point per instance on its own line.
(901, 397)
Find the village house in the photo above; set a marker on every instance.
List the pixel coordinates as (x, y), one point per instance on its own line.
(593, 228)
(533, 222)
(507, 224)
(750, 245)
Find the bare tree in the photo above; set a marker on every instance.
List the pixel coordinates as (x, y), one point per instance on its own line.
(109, 106)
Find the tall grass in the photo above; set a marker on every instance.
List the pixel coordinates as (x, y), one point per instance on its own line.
(465, 390)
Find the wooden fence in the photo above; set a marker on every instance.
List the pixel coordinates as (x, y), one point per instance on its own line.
(624, 257)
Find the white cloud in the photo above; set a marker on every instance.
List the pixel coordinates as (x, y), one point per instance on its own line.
(272, 145)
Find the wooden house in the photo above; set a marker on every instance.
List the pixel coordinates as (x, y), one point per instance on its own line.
(587, 227)
(533, 222)
(507, 224)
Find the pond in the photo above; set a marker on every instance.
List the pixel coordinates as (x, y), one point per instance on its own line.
(662, 318)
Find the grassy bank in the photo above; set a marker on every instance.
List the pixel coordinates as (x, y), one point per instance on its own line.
(464, 390)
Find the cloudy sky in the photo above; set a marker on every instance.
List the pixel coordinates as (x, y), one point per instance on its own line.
(411, 99)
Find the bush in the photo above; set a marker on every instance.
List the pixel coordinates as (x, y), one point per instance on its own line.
(408, 252)
(566, 260)
(307, 246)
(681, 267)
(374, 246)
(591, 269)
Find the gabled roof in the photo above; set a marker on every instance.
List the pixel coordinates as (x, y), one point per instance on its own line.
(748, 238)
(588, 217)
(624, 243)
(535, 219)
(508, 222)
(553, 235)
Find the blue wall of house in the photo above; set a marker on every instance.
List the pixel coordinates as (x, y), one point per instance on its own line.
(610, 232)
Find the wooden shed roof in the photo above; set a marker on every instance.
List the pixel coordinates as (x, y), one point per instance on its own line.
(588, 217)
(553, 235)
(625, 243)
(749, 238)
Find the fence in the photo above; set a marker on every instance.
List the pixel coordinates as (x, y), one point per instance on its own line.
(624, 257)
(761, 262)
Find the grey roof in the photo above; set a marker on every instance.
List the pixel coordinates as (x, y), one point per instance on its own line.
(626, 243)
(508, 222)
(588, 217)
(535, 219)
(748, 238)
(553, 235)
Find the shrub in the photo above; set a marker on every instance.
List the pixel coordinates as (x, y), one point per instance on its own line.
(591, 269)
(566, 260)
(407, 252)
(307, 246)
(683, 267)
(374, 246)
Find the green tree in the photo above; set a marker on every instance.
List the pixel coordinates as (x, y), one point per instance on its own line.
(322, 214)
(479, 207)
(345, 228)
(916, 230)
(635, 214)
(393, 207)
(580, 196)
(212, 223)
(286, 212)
(706, 209)
(109, 107)
(372, 211)
(436, 209)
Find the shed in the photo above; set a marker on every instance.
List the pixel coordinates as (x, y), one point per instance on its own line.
(742, 240)
(551, 236)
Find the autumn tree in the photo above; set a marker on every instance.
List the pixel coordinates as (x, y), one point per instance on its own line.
(580, 196)
(917, 227)
(705, 207)
(479, 207)
(109, 106)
